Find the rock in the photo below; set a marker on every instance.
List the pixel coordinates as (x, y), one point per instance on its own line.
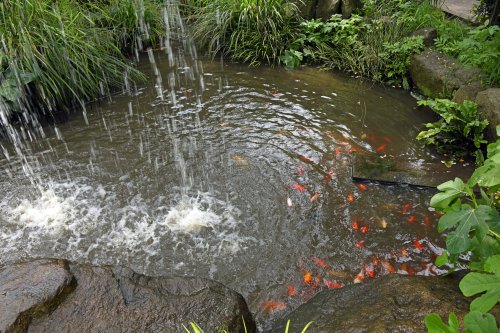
(467, 92)
(326, 8)
(348, 6)
(488, 104)
(29, 290)
(429, 34)
(437, 75)
(119, 300)
(393, 303)
(307, 8)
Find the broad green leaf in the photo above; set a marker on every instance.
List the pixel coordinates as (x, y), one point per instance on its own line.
(488, 247)
(435, 324)
(476, 322)
(492, 265)
(486, 302)
(442, 259)
(475, 282)
(450, 190)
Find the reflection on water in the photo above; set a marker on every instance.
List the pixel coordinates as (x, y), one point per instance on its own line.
(238, 174)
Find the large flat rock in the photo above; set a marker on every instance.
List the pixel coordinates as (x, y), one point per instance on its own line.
(393, 303)
(32, 289)
(119, 300)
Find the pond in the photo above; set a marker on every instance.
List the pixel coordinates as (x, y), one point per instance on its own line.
(238, 174)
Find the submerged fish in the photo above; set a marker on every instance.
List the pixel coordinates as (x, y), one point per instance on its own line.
(332, 284)
(300, 171)
(350, 198)
(362, 187)
(360, 244)
(418, 245)
(239, 160)
(331, 272)
(272, 305)
(412, 219)
(364, 229)
(380, 148)
(305, 159)
(299, 187)
(291, 290)
(388, 266)
(307, 277)
(315, 197)
(320, 262)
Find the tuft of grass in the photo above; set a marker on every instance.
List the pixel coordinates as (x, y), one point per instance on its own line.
(247, 30)
(195, 328)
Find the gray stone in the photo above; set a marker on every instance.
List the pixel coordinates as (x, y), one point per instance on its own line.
(349, 6)
(307, 8)
(488, 104)
(119, 300)
(326, 8)
(428, 34)
(437, 75)
(393, 303)
(29, 290)
(467, 92)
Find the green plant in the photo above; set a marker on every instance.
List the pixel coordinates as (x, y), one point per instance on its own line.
(66, 54)
(247, 30)
(473, 224)
(459, 130)
(197, 329)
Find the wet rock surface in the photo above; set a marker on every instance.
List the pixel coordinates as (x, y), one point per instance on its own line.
(119, 300)
(393, 303)
(32, 289)
(437, 75)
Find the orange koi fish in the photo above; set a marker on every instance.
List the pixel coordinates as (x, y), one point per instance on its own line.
(404, 252)
(307, 277)
(369, 271)
(418, 245)
(355, 224)
(406, 207)
(388, 266)
(360, 277)
(300, 171)
(315, 197)
(320, 262)
(375, 261)
(299, 187)
(411, 271)
(305, 159)
(337, 151)
(412, 219)
(291, 290)
(360, 244)
(362, 187)
(271, 306)
(337, 274)
(364, 229)
(350, 198)
(332, 284)
(381, 148)
(428, 220)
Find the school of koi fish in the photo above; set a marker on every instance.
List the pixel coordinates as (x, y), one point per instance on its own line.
(317, 274)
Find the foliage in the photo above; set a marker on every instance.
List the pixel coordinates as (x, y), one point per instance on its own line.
(60, 46)
(459, 130)
(195, 328)
(474, 228)
(247, 30)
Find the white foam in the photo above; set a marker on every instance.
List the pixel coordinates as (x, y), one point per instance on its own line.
(188, 216)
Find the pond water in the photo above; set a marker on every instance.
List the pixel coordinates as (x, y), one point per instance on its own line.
(238, 174)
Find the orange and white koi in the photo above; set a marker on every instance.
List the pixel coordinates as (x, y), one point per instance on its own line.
(315, 197)
(320, 262)
(272, 305)
(299, 187)
(350, 198)
(364, 229)
(418, 245)
(291, 291)
(360, 244)
(388, 266)
(332, 284)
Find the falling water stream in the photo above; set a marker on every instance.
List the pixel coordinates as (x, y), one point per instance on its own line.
(218, 170)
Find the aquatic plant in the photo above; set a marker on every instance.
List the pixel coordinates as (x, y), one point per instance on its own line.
(459, 131)
(68, 56)
(472, 223)
(247, 30)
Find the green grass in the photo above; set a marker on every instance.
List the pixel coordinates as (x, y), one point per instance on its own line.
(195, 328)
(72, 52)
(253, 31)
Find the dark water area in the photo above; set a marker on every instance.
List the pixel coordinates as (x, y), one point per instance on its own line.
(238, 174)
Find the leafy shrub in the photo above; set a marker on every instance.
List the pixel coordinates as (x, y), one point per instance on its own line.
(247, 30)
(474, 228)
(459, 130)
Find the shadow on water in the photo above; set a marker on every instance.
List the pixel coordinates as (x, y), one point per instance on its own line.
(239, 174)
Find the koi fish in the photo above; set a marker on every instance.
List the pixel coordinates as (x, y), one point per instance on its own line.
(359, 278)
(289, 202)
(299, 187)
(412, 219)
(418, 245)
(406, 207)
(355, 225)
(337, 151)
(305, 159)
(315, 197)
(375, 261)
(320, 262)
(271, 306)
(300, 171)
(369, 271)
(360, 244)
(337, 274)
(364, 229)
(362, 187)
(307, 278)
(291, 290)
(411, 271)
(381, 222)
(388, 266)
(332, 284)
(387, 139)
(427, 220)
(404, 252)
(380, 148)
(350, 198)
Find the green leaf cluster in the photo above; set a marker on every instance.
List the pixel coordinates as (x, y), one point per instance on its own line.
(472, 223)
(459, 129)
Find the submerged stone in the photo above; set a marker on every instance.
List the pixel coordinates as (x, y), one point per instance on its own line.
(120, 300)
(393, 303)
(29, 290)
